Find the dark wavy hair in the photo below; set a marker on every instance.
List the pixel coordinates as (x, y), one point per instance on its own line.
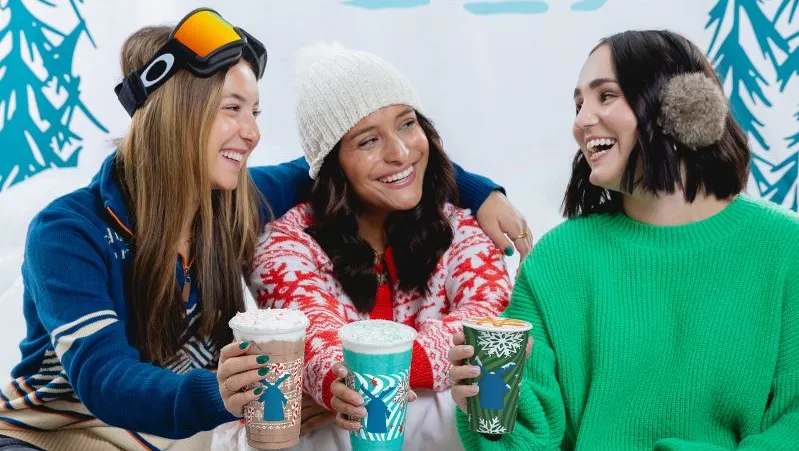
(418, 237)
(644, 62)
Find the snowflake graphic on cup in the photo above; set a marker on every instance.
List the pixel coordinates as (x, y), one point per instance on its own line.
(500, 344)
(403, 389)
(493, 426)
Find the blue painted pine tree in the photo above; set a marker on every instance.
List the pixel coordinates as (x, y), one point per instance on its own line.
(788, 70)
(39, 93)
(774, 175)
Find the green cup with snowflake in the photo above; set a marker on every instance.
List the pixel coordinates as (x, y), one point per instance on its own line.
(500, 348)
(377, 354)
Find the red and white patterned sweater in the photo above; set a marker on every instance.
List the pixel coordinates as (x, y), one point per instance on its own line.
(291, 270)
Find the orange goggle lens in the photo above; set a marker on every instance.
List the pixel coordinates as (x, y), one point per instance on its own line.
(205, 31)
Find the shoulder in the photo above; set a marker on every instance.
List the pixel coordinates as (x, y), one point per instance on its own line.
(567, 236)
(73, 232)
(775, 218)
(297, 219)
(80, 212)
(566, 246)
(461, 220)
(286, 238)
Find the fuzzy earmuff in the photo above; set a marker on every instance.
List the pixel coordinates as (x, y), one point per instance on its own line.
(693, 110)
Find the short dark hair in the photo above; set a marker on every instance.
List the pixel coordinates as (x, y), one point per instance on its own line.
(644, 62)
(418, 237)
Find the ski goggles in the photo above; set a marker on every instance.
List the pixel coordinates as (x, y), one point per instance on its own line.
(203, 43)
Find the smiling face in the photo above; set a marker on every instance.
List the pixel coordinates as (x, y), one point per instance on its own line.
(234, 131)
(605, 127)
(384, 158)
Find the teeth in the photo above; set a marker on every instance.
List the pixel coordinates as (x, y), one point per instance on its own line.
(232, 155)
(600, 142)
(397, 176)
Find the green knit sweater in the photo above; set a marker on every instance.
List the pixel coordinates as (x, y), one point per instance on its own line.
(660, 337)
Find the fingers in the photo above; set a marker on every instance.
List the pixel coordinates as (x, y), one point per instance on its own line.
(234, 349)
(347, 401)
(457, 354)
(235, 403)
(240, 381)
(529, 346)
(494, 207)
(340, 370)
(347, 424)
(459, 374)
(500, 239)
(240, 364)
(461, 392)
(520, 234)
(412, 396)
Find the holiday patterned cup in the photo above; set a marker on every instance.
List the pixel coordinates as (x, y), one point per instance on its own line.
(273, 420)
(377, 354)
(500, 347)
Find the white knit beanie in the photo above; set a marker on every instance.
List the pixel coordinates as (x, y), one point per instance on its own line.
(336, 88)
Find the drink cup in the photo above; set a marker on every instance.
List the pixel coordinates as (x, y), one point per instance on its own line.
(500, 350)
(273, 420)
(377, 354)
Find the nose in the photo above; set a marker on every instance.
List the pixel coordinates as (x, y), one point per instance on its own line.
(587, 116)
(395, 151)
(249, 130)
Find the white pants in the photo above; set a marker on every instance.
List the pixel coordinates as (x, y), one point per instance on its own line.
(430, 425)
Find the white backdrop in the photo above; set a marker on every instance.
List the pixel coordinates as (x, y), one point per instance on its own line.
(496, 77)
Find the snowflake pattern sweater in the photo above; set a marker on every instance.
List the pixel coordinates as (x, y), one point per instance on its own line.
(292, 271)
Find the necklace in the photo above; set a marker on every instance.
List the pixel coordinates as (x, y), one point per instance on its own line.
(380, 267)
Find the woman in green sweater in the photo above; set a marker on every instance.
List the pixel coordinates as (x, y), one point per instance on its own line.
(665, 310)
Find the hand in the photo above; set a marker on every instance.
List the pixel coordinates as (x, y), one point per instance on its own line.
(348, 403)
(314, 416)
(236, 371)
(506, 227)
(460, 372)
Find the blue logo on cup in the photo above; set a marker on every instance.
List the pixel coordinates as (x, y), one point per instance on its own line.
(385, 400)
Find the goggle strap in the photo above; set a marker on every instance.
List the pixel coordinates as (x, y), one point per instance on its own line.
(253, 50)
(131, 92)
(135, 88)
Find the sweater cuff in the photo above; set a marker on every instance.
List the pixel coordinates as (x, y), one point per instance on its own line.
(474, 189)
(421, 370)
(205, 400)
(327, 389)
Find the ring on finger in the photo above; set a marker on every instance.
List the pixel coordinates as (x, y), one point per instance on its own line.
(349, 421)
(524, 234)
(229, 391)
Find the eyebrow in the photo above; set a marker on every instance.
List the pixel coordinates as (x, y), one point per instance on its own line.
(405, 111)
(360, 132)
(238, 97)
(594, 83)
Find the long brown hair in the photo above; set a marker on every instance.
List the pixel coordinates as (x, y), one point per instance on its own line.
(162, 167)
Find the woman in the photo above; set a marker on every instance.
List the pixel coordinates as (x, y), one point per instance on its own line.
(129, 282)
(665, 311)
(379, 238)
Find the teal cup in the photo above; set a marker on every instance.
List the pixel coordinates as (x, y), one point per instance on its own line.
(377, 354)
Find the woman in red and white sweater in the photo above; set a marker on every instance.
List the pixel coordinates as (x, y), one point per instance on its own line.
(380, 238)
